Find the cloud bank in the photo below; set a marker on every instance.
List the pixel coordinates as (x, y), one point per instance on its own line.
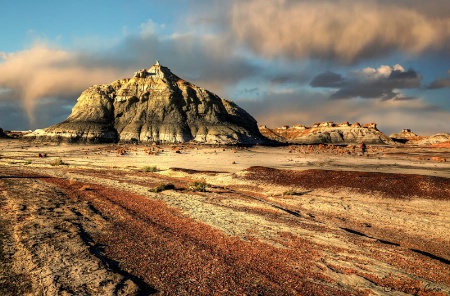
(440, 83)
(344, 31)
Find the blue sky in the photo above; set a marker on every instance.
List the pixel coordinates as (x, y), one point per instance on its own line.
(286, 62)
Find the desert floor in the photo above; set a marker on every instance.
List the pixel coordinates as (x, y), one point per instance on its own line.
(297, 220)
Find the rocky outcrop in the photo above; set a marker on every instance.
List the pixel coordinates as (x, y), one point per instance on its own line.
(431, 140)
(328, 132)
(154, 106)
(404, 136)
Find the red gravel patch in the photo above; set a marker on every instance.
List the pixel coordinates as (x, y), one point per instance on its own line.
(180, 256)
(389, 185)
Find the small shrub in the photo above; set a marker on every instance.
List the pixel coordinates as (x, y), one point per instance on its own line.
(163, 187)
(27, 162)
(198, 186)
(58, 161)
(150, 169)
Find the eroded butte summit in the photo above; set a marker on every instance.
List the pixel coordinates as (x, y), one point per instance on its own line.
(154, 105)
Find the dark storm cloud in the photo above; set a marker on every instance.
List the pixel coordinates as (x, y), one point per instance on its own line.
(382, 83)
(284, 76)
(403, 79)
(328, 79)
(440, 83)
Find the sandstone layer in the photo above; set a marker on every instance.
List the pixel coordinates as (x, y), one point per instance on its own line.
(327, 133)
(154, 106)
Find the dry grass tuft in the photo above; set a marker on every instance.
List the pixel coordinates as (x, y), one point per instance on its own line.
(198, 187)
(150, 169)
(58, 161)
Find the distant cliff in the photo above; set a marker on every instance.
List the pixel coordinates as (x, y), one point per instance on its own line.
(327, 132)
(154, 105)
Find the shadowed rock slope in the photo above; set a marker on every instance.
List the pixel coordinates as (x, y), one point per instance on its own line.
(154, 106)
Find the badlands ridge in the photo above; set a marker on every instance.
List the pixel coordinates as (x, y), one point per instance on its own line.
(155, 105)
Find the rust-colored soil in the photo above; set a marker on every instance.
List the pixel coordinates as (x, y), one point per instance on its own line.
(78, 229)
(389, 185)
(182, 256)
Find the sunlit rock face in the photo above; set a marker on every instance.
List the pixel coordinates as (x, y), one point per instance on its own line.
(405, 134)
(328, 133)
(154, 105)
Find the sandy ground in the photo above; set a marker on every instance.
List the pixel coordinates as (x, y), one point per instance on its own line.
(298, 220)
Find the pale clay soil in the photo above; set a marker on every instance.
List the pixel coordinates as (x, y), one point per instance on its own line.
(273, 220)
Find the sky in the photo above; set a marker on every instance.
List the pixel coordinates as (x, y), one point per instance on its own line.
(286, 62)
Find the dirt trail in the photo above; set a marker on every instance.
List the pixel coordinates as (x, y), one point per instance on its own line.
(47, 243)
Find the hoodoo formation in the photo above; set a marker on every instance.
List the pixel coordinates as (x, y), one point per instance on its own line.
(154, 105)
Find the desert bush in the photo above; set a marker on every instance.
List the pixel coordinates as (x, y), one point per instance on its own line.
(198, 186)
(58, 161)
(150, 169)
(162, 187)
(27, 161)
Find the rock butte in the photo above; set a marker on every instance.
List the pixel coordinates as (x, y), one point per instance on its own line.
(154, 105)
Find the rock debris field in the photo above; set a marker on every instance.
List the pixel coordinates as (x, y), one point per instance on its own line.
(220, 220)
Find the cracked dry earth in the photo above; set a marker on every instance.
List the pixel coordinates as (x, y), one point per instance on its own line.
(81, 229)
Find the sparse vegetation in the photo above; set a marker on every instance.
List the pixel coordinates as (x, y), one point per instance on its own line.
(27, 162)
(162, 187)
(150, 169)
(198, 186)
(58, 161)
